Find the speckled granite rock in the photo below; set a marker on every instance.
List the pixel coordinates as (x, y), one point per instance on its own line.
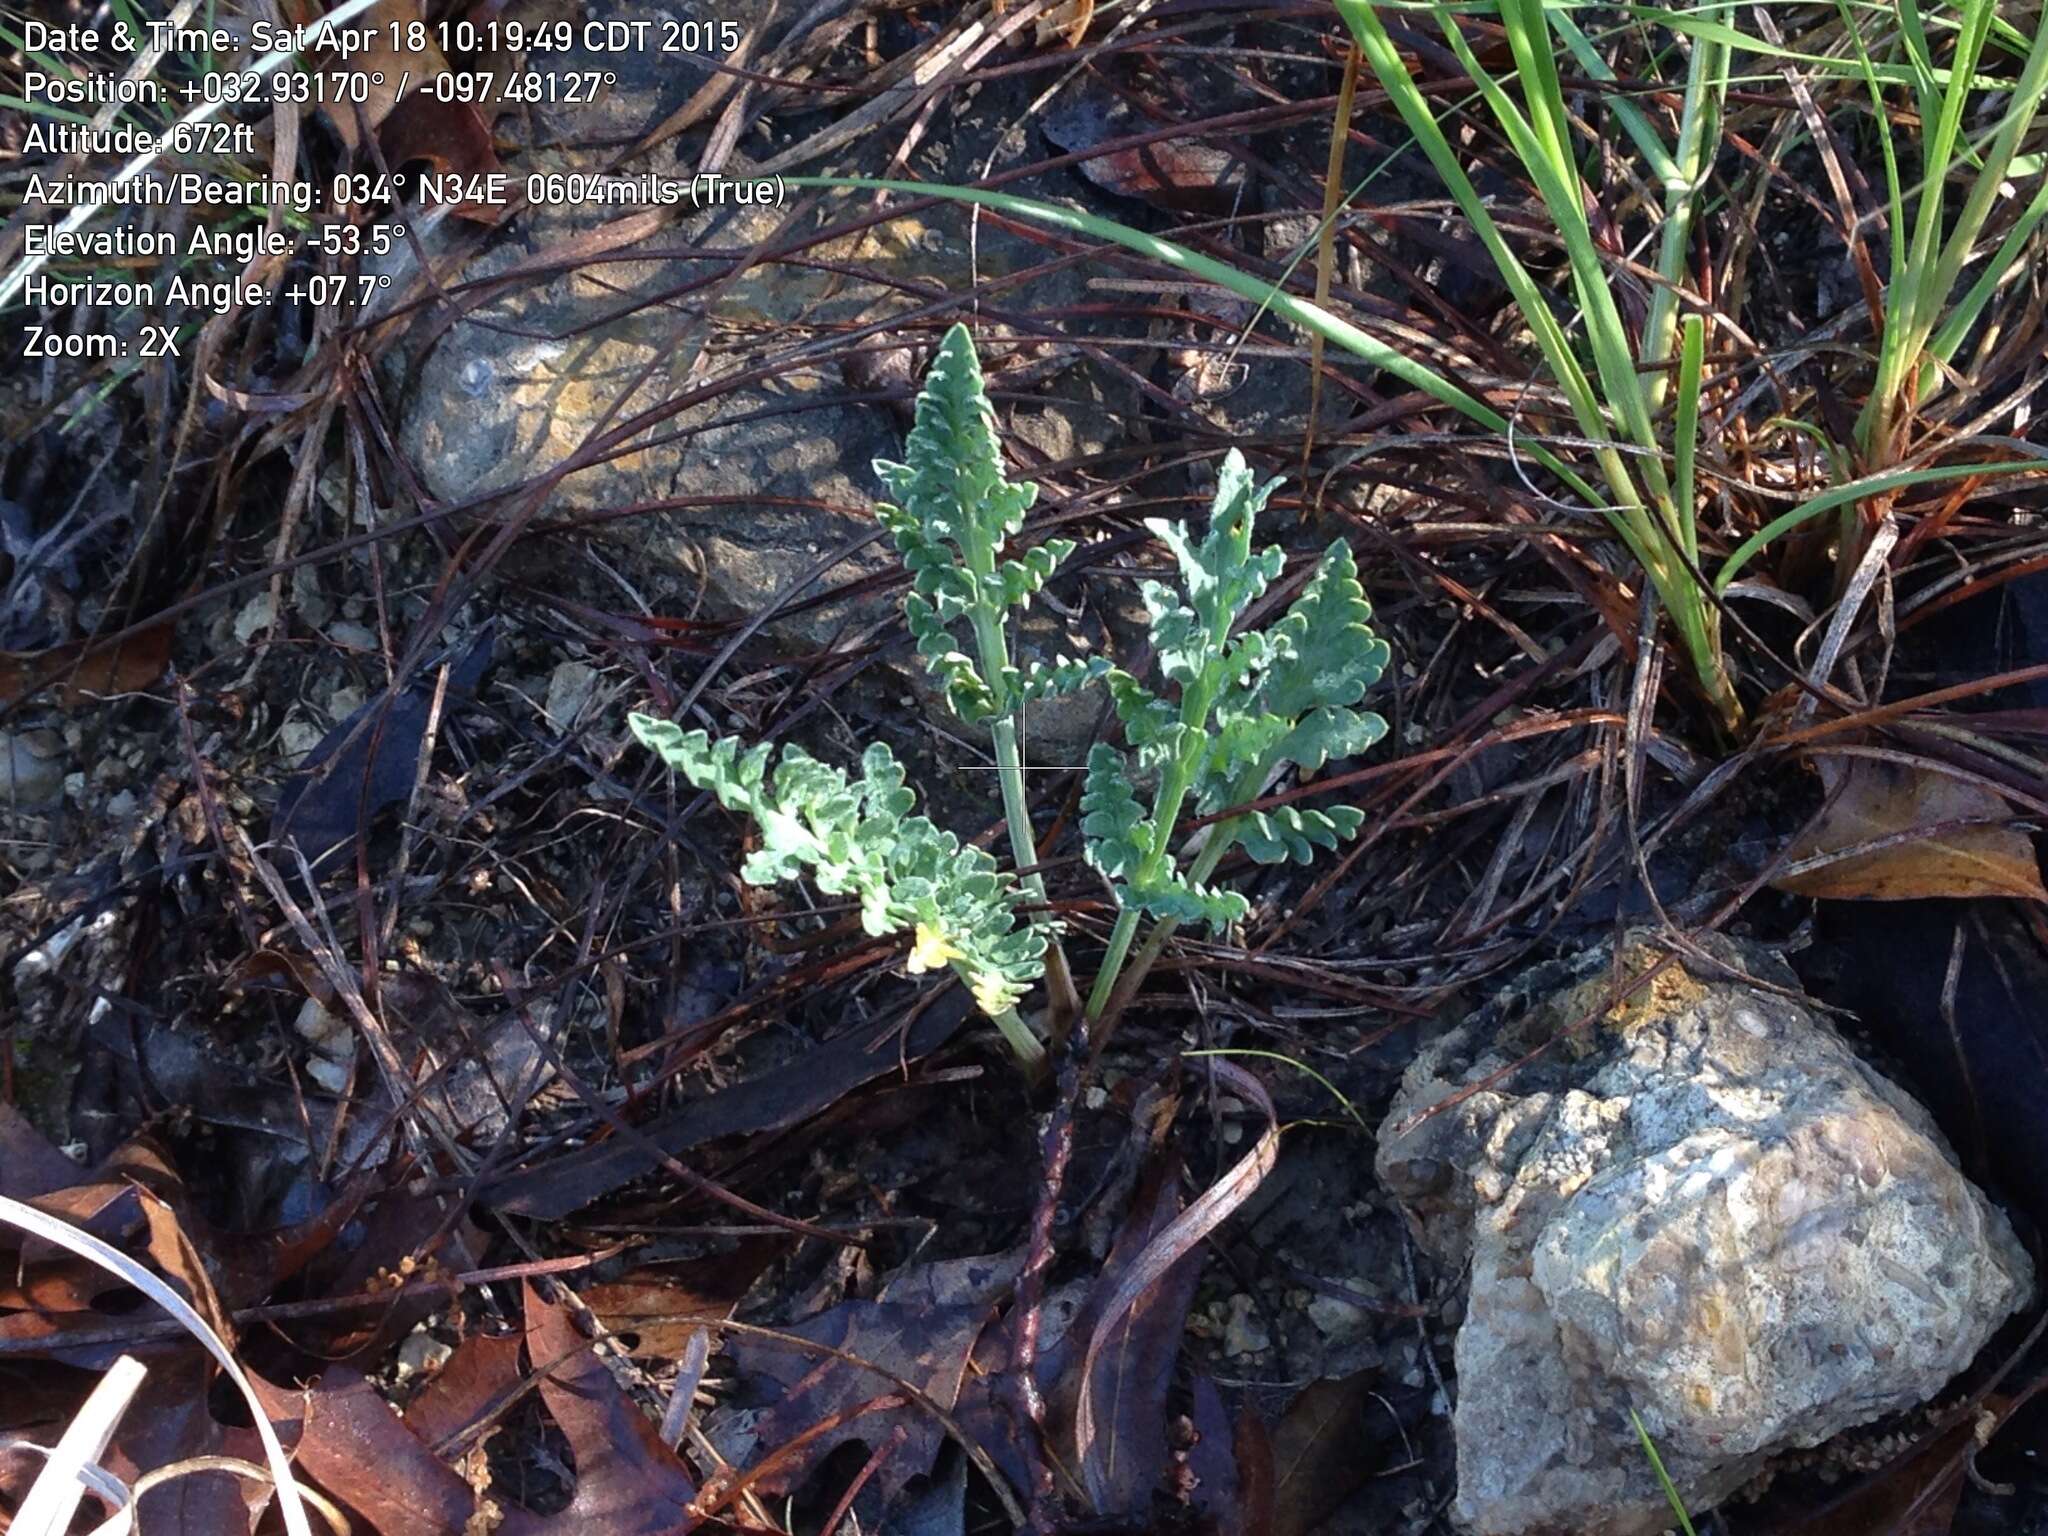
(1703, 1206)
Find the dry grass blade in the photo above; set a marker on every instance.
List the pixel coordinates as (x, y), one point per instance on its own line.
(1326, 247)
(54, 1497)
(27, 1218)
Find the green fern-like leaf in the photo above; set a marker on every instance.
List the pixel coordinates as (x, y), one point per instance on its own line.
(1239, 750)
(1115, 834)
(1248, 705)
(1148, 720)
(1018, 580)
(1325, 653)
(1174, 898)
(1222, 574)
(953, 511)
(950, 489)
(1294, 701)
(1322, 735)
(1290, 832)
(858, 838)
(1055, 679)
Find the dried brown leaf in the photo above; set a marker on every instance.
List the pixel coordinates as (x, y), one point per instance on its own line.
(627, 1482)
(925, 1335)
(1178, 173)
(360, 1451)
(1131, 1358)
(654, 1311)
(1320, 1454)
(1109, 1438)
(453, 137)
(1065, 23)
(474, 1384)
(84, 674)
(1934, 832)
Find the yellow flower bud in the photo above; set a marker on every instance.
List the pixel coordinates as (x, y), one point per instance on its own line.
(929, 950)
(992, 993)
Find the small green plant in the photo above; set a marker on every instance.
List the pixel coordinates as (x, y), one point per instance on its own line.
(953, 513)
(1237, 710)
(1240, 710)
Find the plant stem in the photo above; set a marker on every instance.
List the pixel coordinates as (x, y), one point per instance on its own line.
(1025, 1045)
(1059, 980)
(1166, 804)
(1112, 961)
(1119, 997)
(995, 664)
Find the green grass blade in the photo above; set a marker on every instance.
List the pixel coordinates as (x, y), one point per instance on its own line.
(1871, 485)
(1913, 320)
(1692, 351)
(1536, 64)
(43, 109)
(2022, 108)
(1894, 190)
(1663, 1477)
(1921, 327)
(1641, 131)
(1655, 526)
(1966, 311)
(1556, 176)
(1699, 134)
(1302, 312)
(1415, 112)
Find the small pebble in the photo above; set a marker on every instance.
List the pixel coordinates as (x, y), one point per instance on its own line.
(1245, 1332)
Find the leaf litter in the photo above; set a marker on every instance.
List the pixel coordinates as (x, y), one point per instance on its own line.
(758, 1062)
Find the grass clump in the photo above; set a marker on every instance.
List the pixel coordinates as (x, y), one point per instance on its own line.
(1616, 410)
(1617, 388)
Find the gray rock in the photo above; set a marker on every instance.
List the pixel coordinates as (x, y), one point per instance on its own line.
(764, 479)
(1702, 1206)
(779, 473)
(32, 768)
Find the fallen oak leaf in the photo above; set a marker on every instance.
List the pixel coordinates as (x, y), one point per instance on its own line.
(401, 55)
(28, 1219)
(1316, 1452)
(1896, 829)
(357, 1448)
(654, 1312)
(1212, 1487)
(628, 1483)
(872, 1346)
(1182, 173)
(171, 1421)
(474, 1385)
(29, 1164)
(768, 1101)
(84, 673)
(366, 764)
